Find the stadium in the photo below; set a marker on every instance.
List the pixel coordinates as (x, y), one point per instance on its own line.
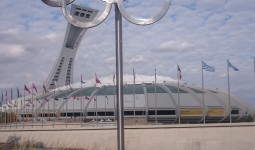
(144, 100)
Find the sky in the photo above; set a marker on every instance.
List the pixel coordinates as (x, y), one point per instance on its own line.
(32, 33)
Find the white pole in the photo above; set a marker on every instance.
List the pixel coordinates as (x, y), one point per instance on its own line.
(229, 100)
(134, 95)
(43, 109)
(96, 112)
(254, 66)
(23, 110)
(156, 109)
(114, 102)
(66, 105)
(203, 91)
(1, 110)
(32, 113)
(53, 113)
(178, 107)
(81, 100)
(105, 108)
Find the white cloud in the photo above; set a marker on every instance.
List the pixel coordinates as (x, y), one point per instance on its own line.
(136, 59)
(172, 46)
(110, 60)
(12, 51)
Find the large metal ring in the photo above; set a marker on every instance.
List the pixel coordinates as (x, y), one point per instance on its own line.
(85, 25)
(55, 3)
(144, 21)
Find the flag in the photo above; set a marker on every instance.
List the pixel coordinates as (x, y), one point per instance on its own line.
(18, 94)
(113, 77)
(44, 89)
(26, 89)
(15, 104)
(231, 66)
(179, 72)
(97, 80)
(34, 87)
(46, 100)
(86, 97)
(207, 67)
(68, 83)
(106, 98)
(82, 82)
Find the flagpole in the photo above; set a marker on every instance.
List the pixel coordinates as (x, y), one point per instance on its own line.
(229, 101)
(96, 113)
(134, 94)
(254, 66)
(203, 91)
(178, 107)
(156, 109)
(2, 110)
(16, 112)
(105, 108)
(10, 118)
(32, 116)
(43, 108)
(11, 110)
(53, 113)
(114, 102)
(73, 108)
(24, 108)
(81, 100)
(66, 105)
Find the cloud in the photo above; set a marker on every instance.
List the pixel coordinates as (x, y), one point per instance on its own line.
(11, 51)
(110, 60)
(175, 46)
(136, 59)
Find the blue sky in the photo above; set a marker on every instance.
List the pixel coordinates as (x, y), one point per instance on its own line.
(31, 36)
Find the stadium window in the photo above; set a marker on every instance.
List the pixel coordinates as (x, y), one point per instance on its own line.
(87, 15)
(166, 112)
(128, 113)
(110, 113)
(139, 113)
(235, 112)
(82, 15)
(76, 13)
(91, 114)
(151, 112)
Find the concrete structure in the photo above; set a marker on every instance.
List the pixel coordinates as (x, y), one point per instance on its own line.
(62, 71)
(99, 102)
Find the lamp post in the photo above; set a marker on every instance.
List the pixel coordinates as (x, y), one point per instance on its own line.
(119, 12)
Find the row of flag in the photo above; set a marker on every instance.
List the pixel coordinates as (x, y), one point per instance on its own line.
(7, 97)
(206, 68)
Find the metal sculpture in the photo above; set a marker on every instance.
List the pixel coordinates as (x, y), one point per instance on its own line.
(119, 12)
